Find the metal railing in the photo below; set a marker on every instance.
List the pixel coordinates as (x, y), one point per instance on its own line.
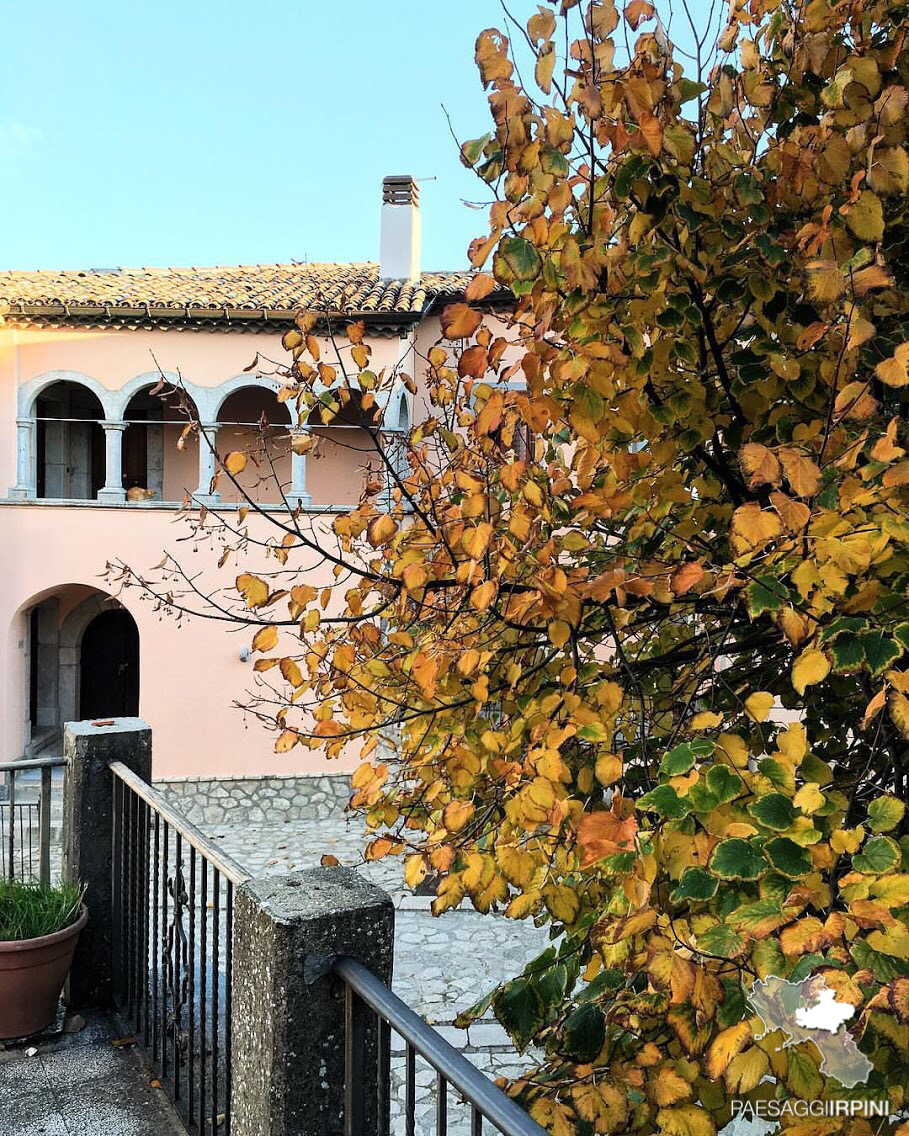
(367, 994)
(26, 822)
(173, 909)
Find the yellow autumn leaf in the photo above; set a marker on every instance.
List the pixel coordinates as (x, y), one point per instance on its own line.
(726, 1045)
(746, 1071)
(894, 372)
(686, 1120)
(456, 814)
(706, 720)
(265, 638)
(802, 473)
(847, 840)
(866, 217)
(381, 530)
(759, 705)
(810, 668)
(253, 588)
(608, 768)
(809, 798)
(754, 527)
(668, 1087)
(235, 463)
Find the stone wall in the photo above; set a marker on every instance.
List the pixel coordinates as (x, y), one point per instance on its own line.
(257, 800)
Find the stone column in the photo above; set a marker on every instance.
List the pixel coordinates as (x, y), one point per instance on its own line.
(113, 492)
(25, 446)
(297, 494)
(287, 1060)
(208, 433)
(88, 826)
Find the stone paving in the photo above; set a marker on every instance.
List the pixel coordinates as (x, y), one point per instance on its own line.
(442, 965)
(81, 1085)
(273, 826)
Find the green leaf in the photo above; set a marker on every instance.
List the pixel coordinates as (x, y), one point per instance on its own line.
(737, 859)
(847, 653)
(879, 856)
(901, 634)
(721, 940)
(787, 857)
(552, 986)
(759, 918)
(766, 593)
(767, 957)
(813, 769)
(732, 1008)
(663, 800)
(628, 172)
(885, 813)
(809, 963)
(802, 1076)
(840, 625)
(773, 810)
(696, 883)
(472, 151)
(518, 1007)
(680, 759)
(701, 799)
(884, 967)
(880, 651)
(689, 89)
(553, 161)
(584, 1033)
(723, 783)
(517, 264)
(778, 774)
(477, 1010)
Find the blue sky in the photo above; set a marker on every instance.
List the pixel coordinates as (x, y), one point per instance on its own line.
(204, 132)
(215, 131)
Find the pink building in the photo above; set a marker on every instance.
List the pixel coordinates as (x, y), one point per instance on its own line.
(80, 354)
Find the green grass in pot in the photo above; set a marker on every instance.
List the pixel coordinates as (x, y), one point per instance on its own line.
(29, 909)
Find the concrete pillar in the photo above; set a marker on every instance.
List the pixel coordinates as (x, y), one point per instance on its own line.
(289, 1010)
(88, 826)
(25, 486)
(297, 494)
(113, 492)
(208, 433)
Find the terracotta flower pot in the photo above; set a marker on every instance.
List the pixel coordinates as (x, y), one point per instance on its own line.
(32, 973)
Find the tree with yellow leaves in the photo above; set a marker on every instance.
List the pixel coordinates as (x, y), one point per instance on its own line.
(626, 644)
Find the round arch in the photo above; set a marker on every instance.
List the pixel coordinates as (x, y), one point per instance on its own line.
(72, 632)
(126, 393)
(54, 622)
(220, 394)
(29, 392)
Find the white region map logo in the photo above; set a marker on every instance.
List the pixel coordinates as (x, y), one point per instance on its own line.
(808, 1011)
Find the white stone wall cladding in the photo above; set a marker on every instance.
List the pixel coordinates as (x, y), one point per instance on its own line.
(236, 800)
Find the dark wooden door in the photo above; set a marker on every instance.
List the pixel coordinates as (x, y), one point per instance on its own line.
(109, 667)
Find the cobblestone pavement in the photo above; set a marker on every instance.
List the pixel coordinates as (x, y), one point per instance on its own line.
(442, 965)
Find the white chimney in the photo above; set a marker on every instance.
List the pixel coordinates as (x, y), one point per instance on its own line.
(399, 247)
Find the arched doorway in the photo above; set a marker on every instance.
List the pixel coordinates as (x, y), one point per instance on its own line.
(253, 422)
(81, 661)
(69, 442)
(153, 463)
(109, 667)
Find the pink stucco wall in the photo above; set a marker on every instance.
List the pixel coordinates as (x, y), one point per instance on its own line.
(191, 672)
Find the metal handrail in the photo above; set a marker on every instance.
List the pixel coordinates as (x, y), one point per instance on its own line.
(31, 763)
(221, 861)
(478, 1090)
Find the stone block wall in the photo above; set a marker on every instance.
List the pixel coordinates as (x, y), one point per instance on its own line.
(258, 800)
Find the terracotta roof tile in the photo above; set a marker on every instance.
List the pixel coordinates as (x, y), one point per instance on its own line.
(228, 293)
